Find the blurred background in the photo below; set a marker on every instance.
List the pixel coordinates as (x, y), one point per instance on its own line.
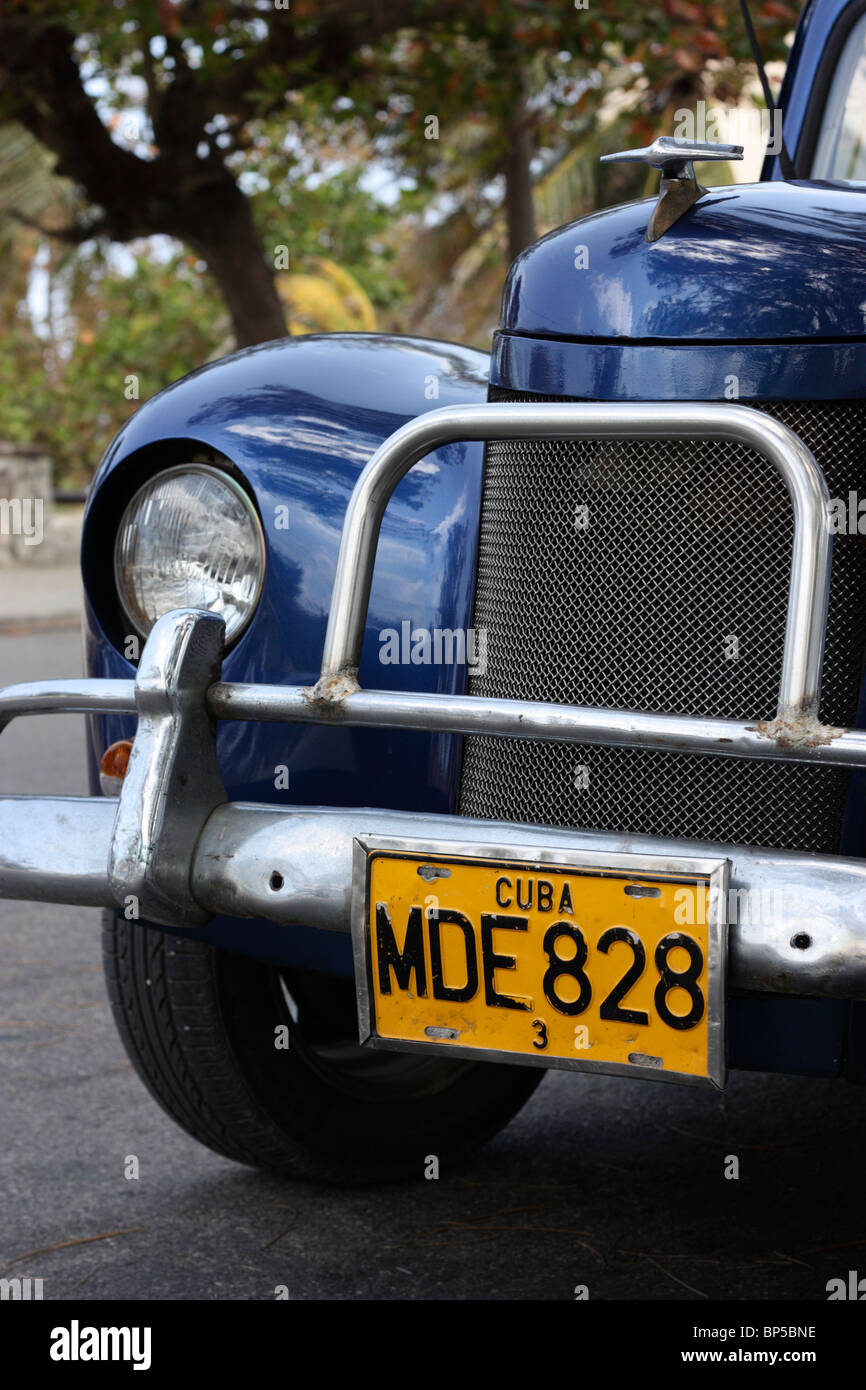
(181, 178)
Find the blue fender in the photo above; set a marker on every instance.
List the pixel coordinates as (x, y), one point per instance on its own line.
(299, 418)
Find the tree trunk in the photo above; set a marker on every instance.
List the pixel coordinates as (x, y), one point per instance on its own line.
(519, 204)
(221, 229)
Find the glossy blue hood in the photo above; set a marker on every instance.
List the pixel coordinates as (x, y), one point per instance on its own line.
(766, 262)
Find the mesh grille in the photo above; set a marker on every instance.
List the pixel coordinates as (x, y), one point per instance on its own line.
(616, 573)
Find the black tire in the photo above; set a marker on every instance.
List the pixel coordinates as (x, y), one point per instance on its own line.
(199, 1025)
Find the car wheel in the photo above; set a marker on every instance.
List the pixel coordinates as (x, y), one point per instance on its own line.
(262, 1064)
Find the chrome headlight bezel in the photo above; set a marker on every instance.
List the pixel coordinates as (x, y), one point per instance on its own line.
(240, 494)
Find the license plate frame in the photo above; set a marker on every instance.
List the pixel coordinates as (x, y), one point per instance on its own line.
(537, 856)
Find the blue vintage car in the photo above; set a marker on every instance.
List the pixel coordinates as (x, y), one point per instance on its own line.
(453, 718)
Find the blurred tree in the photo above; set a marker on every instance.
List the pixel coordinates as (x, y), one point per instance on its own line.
(75, 368)
(327, 299)
(207, 73)
(482, 108)
(637, 71)
(203, 73)
(89, 332)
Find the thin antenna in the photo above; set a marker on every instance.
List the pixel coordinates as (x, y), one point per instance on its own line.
(784, 158)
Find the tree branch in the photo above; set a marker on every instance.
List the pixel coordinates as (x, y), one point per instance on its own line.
(73, 233)
(342, 29)
(45, 92)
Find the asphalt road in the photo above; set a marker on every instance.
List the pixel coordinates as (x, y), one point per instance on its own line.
(616, 1185)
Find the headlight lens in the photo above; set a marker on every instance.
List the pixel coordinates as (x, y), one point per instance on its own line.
(190, 538)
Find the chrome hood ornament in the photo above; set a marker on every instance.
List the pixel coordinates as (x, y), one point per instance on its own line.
(679, 188)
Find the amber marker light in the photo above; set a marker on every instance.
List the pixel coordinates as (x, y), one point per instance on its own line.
(112, 769)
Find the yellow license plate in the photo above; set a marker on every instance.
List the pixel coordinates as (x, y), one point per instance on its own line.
(593, 962)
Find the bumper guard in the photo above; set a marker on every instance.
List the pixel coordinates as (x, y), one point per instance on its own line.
(177, 846)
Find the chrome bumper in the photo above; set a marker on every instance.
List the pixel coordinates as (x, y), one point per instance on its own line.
(174, 846)
(797, 922)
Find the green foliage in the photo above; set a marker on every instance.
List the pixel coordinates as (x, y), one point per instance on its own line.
(318, 208)
(155, 314)
(469, 67)
(71, 390)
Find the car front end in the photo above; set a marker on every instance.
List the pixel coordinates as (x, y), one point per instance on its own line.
(450, 721)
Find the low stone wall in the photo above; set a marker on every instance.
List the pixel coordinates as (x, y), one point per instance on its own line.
(26, 505)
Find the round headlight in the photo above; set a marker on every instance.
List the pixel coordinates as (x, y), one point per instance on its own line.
(190, 538)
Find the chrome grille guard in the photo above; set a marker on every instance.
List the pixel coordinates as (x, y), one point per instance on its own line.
(181, 852)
